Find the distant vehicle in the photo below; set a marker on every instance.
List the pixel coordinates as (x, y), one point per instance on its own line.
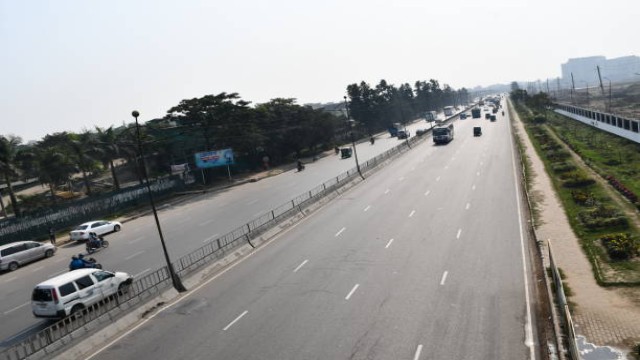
(430, 116)
(403, 134)
(345, 153)
(493, 118)
(393, 129)
(487, 116)
(463, 116)
(476, 113)
(100, 227)
(19, 253)
(421, 132)
(449, 110)
(443, 134)
(75, 291)
(477, 131)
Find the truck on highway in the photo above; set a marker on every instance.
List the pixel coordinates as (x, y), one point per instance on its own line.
(430, 116)
(443, 134)
(475, 113)
(448, 111)
(394, 128)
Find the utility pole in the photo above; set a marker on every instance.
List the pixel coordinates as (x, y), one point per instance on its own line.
(600, 78)
(573, 87)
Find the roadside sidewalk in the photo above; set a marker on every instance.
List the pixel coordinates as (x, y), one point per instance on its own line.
(605, 316)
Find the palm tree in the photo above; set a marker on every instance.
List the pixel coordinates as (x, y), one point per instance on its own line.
(8, 151)
(54, 168)
(109, 150)
(84, 148)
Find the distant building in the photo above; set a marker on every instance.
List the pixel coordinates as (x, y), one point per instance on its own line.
(585, 71)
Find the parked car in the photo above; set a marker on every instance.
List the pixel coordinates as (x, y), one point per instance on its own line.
(487, 116)
(74, 291)
(463, 116)
(345, 153)
(477, 131)
(100, 227)
(493, 118)
(16, 254)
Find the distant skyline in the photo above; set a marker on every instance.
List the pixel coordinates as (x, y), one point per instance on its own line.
(69, 65)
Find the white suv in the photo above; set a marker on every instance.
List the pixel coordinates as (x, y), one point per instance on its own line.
(76, 290)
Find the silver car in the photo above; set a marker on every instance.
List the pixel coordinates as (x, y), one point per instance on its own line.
(19, 253)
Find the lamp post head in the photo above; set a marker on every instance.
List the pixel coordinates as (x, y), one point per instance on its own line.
(135, 113)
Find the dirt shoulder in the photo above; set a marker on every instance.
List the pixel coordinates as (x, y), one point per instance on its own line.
(605, 316)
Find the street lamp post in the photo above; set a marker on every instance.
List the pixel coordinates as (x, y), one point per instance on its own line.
(177, 283)
(353, 140)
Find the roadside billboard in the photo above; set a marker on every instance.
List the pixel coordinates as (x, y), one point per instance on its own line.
(215, 158)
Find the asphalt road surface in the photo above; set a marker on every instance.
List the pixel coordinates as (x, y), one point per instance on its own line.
(136, 249)
(423, 260)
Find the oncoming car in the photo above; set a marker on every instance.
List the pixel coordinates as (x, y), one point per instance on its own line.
(100, 227)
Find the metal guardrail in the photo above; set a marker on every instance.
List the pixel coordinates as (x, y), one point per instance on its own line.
(145, 287)
(561, 300)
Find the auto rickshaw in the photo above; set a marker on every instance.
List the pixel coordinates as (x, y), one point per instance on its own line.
(345, 152)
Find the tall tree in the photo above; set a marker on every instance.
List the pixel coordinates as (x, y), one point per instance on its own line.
(8, 153)
(109, 150)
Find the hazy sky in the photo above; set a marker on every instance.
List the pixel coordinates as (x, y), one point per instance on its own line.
(71, 65)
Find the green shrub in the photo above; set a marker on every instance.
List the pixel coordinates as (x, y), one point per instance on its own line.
(575, 179)
(603, 217)
(619, 246)
(563, 167)
(557, 154)
(583, 198)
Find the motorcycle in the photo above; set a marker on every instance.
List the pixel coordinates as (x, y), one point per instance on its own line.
(93, 245)
(503, 113)
(300, 166)
(89, 263)
(373, 140)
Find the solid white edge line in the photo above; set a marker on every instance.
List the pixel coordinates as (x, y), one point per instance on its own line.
(352, 291)
(210, 238)
(388, 244)
(459, 233)
(301, 265)
(141, 272)
(418, 352)
(528, 341)
(412, 212)
(235, 320)
(340, 232)
(444, 277)
(16, 308)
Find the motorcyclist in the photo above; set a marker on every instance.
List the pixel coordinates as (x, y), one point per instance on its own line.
(85, 263)
(372, 140)
(300, 165)
(76, 263)
(94, 241)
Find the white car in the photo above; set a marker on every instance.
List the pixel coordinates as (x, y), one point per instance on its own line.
(100, 227)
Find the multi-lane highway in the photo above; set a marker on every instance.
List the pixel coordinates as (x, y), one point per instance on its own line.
(186, 227)
(424, 260)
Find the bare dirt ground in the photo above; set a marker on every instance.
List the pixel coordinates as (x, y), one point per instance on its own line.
(605, 316)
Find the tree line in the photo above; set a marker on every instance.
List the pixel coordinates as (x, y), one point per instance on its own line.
(280, 129)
